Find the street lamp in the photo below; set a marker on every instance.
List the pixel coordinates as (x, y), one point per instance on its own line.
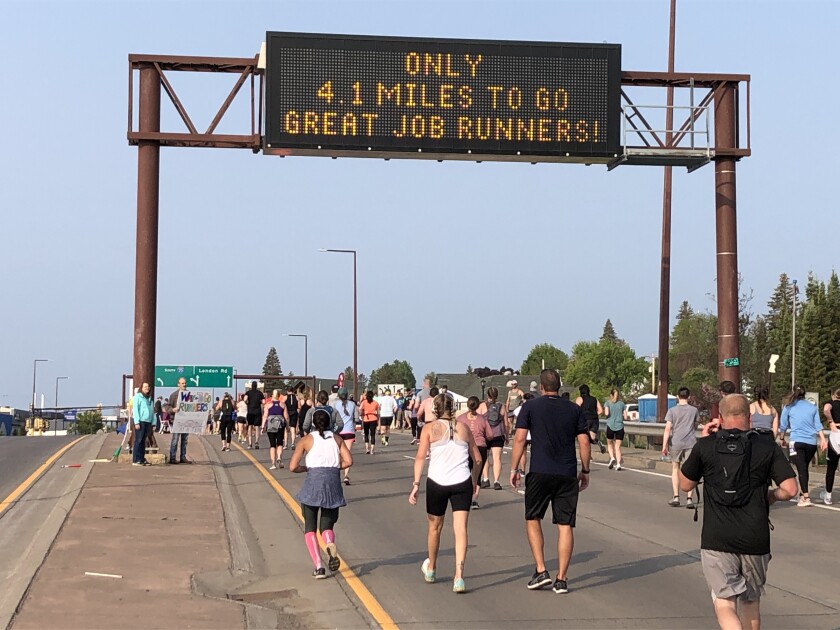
(59, 378)
(34, 374)
(355, 321)
(305, 351)
(483, 383)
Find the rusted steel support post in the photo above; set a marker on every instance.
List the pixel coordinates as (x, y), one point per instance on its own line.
(665, 268)
(726, 137)
(148, 189)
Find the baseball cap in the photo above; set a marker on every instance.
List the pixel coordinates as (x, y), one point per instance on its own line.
(342, 391)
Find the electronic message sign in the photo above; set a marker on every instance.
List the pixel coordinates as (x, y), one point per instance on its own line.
(343, 95)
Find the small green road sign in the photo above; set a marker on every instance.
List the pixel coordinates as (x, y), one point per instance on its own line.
(213, 376)
(733, 362)
(196, 375)
(168, 375)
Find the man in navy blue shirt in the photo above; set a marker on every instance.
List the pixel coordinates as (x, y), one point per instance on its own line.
(555, 425)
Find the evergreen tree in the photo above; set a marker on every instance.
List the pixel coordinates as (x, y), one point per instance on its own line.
(754, 371)
(693, 345)
(779, 319)
(831, 325)
(271, 367)
(348, 381)
(609, 333)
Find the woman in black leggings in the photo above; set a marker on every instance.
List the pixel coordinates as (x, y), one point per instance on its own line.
(326, 455)
(832, 414)
(227, 410)
(802, 418)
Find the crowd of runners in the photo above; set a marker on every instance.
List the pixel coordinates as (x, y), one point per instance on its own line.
(551, 437)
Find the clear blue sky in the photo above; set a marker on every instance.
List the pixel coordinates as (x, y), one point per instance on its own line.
(458, 263)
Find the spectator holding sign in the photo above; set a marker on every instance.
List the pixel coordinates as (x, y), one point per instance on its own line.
(175, 402)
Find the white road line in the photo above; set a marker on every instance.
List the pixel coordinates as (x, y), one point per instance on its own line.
(636, 470)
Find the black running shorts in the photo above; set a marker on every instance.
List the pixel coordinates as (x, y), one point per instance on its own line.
(496, 442)
(559, 490)
(254, 419)
(458, 495)
(386, 421)
(615, 435)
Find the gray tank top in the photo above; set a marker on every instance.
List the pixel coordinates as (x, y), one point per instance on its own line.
(761, 421)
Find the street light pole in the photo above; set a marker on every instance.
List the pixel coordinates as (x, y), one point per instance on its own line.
(59, 378)
(305, 352)
(355, 321)
(793, 340)
(34, 376)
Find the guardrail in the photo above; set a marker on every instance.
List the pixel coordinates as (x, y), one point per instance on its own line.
(655, 429)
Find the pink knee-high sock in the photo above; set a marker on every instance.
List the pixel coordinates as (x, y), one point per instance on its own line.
(312, 545)
(328, 536)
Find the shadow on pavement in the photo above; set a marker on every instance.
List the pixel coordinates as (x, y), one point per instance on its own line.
(635, 569)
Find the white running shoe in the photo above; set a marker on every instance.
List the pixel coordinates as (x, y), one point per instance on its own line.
(826, 497)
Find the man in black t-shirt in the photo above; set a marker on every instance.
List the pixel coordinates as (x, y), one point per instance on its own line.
(735, 541)
(254, 400)
(555, 424)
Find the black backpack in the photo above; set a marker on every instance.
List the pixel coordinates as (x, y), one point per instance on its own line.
(227, 405)
(494, 414)
(730, 485)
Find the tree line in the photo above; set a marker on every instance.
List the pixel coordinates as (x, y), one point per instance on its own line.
(610, 362)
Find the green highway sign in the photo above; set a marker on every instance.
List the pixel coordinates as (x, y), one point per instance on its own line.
(733, 362)
(196, 375)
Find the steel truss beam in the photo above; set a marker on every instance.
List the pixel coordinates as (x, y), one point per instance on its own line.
(245, 67)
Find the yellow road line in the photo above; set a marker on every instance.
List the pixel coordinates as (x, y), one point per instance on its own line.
(9, 500)
(365, 596)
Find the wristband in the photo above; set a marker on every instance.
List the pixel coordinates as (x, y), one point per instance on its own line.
(415, 483)
(584, 472)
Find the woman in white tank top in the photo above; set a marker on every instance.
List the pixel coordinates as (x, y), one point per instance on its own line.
(326, 454)
(450, 481)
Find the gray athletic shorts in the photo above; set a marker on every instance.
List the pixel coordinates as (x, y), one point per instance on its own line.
(735, 575)
(679, 455)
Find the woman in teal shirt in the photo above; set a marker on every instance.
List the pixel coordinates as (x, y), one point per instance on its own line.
(616, 412)
(803, 419)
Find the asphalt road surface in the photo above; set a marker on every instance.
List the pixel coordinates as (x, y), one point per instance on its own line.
(21, 456)
(635, 565)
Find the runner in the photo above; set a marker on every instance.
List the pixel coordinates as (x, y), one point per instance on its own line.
(522, 464)
(348, 415)
(496, 416)
(292, 409)
(832, 414)
(513, 400)
(305, 406)
(227, 411)
(481, 432)
(274, 420)
(763, 415)
(326, 454)
(369, 412)
(387, 411)
(424, 409)
(616, 412)
(802, 418)
(254, 400)
(241, 418)
(680, 430)
(592, 410)
(449, 481)
(555, 425)
(322, 403)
